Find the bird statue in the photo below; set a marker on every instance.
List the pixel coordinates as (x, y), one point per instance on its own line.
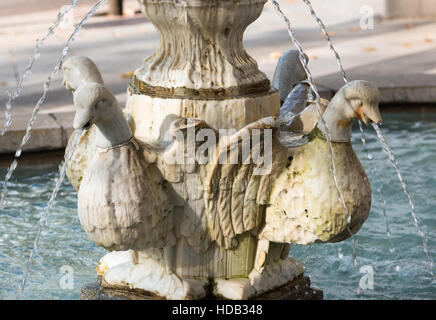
(79, 71)
(121, 200)
(306, 205)
(295, 103)
(289, 75)
(298, 113)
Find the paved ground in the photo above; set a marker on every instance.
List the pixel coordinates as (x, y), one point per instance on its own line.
(398, 56)
(24, 7)
(21, 7)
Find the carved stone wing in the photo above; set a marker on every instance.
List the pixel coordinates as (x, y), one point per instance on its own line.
(185, 178)
(128, 209)
(238, 181)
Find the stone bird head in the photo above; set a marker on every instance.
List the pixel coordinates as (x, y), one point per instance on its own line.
(94, 103)
(79, 70)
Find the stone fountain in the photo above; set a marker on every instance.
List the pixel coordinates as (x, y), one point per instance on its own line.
(202, 190)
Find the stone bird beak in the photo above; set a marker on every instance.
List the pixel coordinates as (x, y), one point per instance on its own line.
(372, 114)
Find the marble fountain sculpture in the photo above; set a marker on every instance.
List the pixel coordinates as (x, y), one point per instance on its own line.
(180, 222)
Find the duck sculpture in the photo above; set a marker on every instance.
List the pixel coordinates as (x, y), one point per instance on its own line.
(128, 209)
(79, 71)
(290, 75)
(202, 226)
(298, 112)
(306, 205)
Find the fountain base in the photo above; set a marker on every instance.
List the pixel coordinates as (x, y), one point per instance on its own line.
(122, 270)
(297, 289)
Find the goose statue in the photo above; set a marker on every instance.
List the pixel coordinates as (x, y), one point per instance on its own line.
(297, 114)
(122, 203)
(79, 71)
(305, 206)
(289, 73)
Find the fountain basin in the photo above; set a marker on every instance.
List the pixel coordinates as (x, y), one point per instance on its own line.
(400, 266)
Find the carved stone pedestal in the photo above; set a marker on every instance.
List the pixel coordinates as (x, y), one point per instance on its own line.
(200, 70)
(297, 289)
(215, 226)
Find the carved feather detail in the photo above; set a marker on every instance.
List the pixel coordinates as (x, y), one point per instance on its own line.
(235, 195)
(128, 208)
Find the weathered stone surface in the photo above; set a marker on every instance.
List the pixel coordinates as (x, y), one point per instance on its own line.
(222, 229)
(152, 116)
(298, 289)
(201, 51)
(183, 92)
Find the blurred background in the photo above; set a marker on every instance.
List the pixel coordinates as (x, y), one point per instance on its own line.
(389, 42)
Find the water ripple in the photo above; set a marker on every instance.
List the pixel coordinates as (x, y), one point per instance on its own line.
(399, 264)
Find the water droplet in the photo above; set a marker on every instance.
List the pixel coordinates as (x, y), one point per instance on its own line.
(387, 150)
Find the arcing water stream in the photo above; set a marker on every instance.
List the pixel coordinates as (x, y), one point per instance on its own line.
(43, 220)
(46, 87)
(35, 112)
(318, 107)
(36, 54)
(380, 136)
(393, 161)
(329, 40)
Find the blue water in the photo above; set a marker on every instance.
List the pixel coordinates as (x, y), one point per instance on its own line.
(399, 263)
(63, 242)
(400, 267)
